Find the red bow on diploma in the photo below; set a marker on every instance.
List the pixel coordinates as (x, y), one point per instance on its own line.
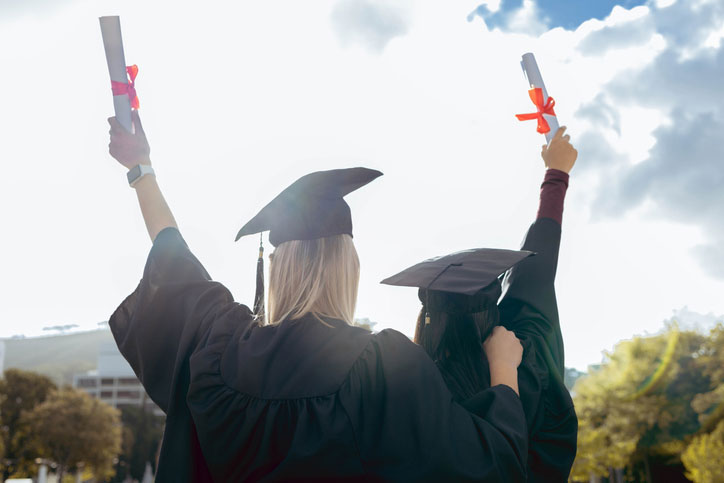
(121, 88)
(536, 95)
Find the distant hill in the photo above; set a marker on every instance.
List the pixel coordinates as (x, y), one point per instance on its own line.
(58, 356)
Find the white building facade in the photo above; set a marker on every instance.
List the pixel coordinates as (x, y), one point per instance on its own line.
(114, 381)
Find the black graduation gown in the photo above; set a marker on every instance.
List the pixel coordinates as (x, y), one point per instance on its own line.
(528, 308)
(304, 399)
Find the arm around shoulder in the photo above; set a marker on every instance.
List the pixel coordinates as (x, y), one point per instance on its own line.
(409, 427)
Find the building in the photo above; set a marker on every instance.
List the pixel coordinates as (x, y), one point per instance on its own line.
(114, 382)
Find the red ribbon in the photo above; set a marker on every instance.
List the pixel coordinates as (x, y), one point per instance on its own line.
(536, 95)
(129, 89)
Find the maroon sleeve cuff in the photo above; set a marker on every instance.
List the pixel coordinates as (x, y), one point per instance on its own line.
(552, 194)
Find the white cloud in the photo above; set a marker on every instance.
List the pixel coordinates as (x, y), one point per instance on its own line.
(528, 19)
(240, 99)
(372, 24)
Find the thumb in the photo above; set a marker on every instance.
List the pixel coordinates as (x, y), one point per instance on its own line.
(115, 125)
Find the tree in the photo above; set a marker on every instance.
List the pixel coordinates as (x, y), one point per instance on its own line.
(142, 432)
(703, 457)
(639, 404)
(76, 430)
(20, 392)
(710, 361)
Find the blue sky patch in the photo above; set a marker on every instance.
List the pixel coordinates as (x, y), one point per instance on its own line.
(557, 13)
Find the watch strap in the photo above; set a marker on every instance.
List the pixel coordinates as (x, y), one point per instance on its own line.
(135, 174)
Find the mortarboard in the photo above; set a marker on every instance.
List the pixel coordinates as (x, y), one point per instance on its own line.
(312, 207)
(461, 282)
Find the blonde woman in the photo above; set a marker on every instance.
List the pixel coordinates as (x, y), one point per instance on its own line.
(307, 396)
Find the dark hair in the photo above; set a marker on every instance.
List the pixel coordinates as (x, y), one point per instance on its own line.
(455, 343)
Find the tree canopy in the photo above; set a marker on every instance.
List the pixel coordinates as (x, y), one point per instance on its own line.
(142, 432)
(652, 397)
(75, 430)
(20, 392)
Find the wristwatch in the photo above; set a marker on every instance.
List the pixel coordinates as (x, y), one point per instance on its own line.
(135, 174)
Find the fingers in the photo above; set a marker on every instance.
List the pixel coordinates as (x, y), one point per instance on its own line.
(116, 127)
(500, 331)
(560, 132)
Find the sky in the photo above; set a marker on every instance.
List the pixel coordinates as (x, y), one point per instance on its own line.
(239, 99)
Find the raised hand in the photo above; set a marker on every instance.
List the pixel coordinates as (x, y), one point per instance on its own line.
(129, 149)
(560, 153)
(504, 353)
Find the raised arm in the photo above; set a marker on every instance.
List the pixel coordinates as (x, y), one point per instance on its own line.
(131, 150)
(528, 306)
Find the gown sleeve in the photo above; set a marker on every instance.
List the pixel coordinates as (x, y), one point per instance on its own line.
(420, 433)
(529, 308)
(159, 325)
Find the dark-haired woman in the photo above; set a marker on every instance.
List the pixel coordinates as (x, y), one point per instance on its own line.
(455, 329)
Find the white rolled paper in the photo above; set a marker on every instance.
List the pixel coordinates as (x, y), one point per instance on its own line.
(532, 74)
(113, 44)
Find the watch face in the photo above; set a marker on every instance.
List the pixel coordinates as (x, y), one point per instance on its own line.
(134, 173)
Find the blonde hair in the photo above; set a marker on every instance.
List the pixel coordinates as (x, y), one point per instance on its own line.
(314, 276)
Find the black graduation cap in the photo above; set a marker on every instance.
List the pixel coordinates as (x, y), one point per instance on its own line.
(461, 282)
(312, 207)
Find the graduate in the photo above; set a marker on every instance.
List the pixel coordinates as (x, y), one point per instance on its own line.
(307, 396)
(461, 316)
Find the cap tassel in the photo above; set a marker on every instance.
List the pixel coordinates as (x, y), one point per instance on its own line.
(259, 295)
(427, 291)
(427, 304)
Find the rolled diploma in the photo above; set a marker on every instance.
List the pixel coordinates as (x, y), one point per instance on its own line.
(532, 73)
(113, 44)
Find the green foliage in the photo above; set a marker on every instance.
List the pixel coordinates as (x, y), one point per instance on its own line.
(76, 431)
(20, 392)
(704, 457)
(642, 401)
(142, 432)
(710, 362)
